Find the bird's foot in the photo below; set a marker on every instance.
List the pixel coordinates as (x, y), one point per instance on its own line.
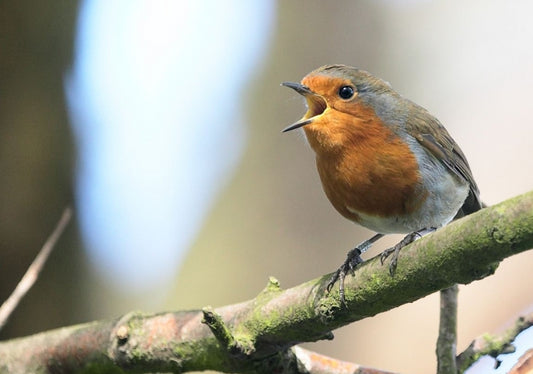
(353, 259)
(395, 250)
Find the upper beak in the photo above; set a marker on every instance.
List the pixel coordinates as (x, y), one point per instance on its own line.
(311, 98)
(298, 87)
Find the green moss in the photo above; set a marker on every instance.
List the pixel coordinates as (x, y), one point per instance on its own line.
(494, 345)
(273, 285)
(328, 307)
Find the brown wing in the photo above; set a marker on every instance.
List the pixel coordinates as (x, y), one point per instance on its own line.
(437, 141)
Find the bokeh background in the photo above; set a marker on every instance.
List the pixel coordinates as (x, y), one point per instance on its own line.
(160, 123)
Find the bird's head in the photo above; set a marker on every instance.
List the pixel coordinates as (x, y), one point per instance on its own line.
(333, 91)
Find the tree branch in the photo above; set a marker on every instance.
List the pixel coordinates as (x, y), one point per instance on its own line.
(266, 327)
(34, 270)
(447, 341)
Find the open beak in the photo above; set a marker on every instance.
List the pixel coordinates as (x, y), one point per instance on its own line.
(315, 105)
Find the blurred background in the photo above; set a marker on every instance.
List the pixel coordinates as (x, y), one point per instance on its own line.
(160, 123)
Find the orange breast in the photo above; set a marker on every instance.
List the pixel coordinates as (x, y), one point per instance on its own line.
(364, 167)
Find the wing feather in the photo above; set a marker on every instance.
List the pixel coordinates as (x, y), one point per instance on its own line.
(437, 141)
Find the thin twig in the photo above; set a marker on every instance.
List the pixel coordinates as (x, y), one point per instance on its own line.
(33, 271)
(447, 341)
(218, 327)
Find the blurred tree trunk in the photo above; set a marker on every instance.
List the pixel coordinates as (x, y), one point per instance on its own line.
(36, 159)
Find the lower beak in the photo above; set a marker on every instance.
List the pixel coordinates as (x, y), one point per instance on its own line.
(296, 125)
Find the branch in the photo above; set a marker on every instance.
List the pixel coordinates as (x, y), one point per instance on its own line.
(447, 341)
(266, 327)
(34, 270)
(493, 345)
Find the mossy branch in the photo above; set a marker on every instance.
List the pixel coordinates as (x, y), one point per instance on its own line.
(269, 325)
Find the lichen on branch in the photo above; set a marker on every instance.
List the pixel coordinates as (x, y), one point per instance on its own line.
(269, 325)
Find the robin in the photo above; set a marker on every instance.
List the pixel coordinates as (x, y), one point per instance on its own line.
(385, 162)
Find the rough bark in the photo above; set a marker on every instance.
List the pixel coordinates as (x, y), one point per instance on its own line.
(256, 335)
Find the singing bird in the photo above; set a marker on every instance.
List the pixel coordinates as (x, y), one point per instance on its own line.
(385, 162)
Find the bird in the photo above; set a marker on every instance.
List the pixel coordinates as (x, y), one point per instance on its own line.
(384, 162)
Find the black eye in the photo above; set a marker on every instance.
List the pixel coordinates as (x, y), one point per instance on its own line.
(346, 92)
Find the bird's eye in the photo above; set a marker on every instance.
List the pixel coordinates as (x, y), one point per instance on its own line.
(346, 92)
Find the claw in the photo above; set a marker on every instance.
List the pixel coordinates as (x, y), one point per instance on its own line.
(393, 263)
(353, 259)
(341, 288)
(332, 281)
(395, 251)
(384, 256)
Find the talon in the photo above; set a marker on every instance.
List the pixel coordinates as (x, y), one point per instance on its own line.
(340, 275)
(383, 257)
(353, 259)
(395, 251)
(341, 288)
(392, 266)
(332, 281)
(386, 253)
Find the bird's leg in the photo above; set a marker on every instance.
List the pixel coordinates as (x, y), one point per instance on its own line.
(395, 251)
(353, 258)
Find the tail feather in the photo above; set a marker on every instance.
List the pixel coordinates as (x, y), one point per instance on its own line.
(471, 205)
